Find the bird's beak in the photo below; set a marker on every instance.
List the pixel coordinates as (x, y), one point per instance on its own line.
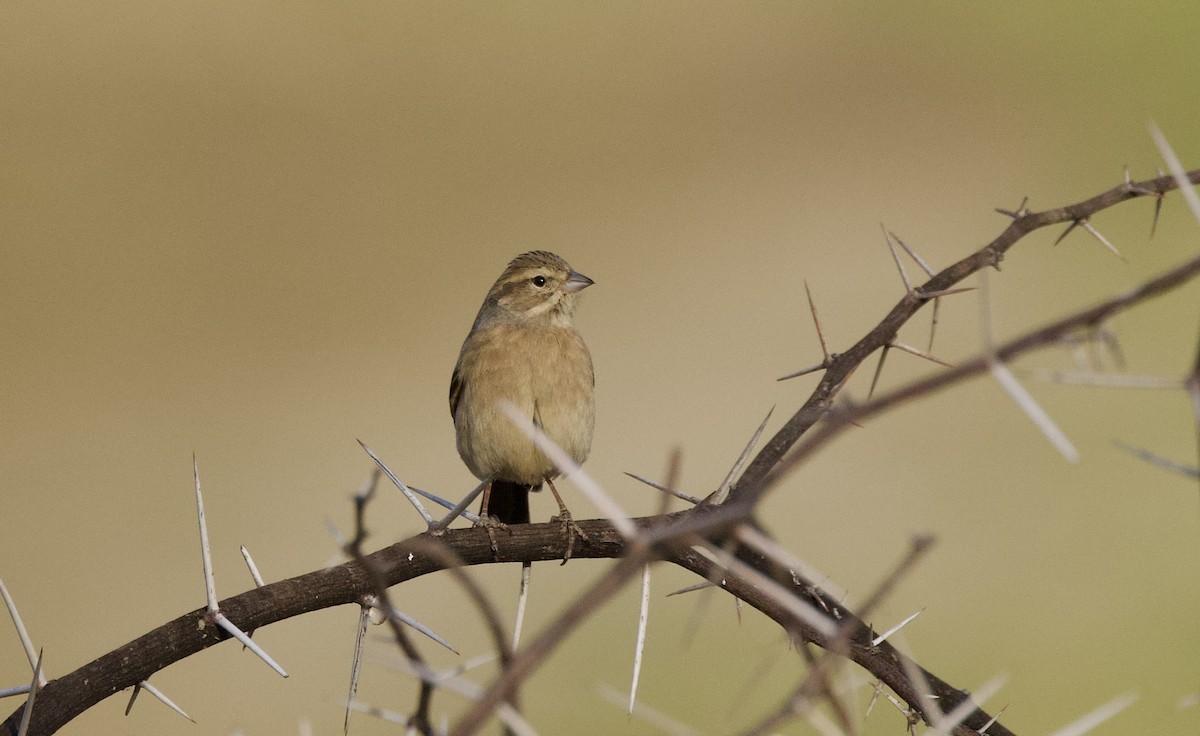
(576, 282)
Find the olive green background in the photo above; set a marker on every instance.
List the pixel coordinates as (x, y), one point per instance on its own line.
(257, 231)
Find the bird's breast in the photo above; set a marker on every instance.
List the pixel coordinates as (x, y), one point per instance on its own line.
(547, 374)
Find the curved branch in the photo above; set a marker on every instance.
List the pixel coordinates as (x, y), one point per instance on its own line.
(66, 697)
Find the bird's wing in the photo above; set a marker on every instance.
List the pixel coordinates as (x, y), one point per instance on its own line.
(456, 387)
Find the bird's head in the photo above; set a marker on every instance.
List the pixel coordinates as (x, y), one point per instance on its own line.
(540, 286)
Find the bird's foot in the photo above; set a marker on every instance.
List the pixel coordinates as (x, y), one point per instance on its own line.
(491, 524)
(570, 530)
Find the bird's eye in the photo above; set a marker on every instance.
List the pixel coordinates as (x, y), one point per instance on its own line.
(539, 281)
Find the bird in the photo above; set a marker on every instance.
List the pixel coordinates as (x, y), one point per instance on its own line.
(523, 348)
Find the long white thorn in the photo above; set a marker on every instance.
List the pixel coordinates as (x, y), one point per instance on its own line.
(782, 555)
(22, 634)
(145, 685)
(404, 618)
(1012, 386)
(412, 497)
(1097, 716)
(640, 646)
(246, 641)
(364, 618)
(254, 573)
(569, 468)
(460, 509)
(1036, 414)
(801, 609)
(9, 692)
(522, 600)
(210, 585)
(884, 636)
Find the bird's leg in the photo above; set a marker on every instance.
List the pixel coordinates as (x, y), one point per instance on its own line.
(570, 528)
(489, 522)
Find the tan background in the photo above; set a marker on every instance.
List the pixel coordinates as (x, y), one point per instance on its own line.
(258, 231)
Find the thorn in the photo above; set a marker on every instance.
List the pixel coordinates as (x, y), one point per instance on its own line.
(800, 609)
(878, 370)
(919, 353)
(412, 623)
(522, 600)
(974, 700)
(220, 619)
(132, 697)
(803, 372)
(210, 585)
(570, 469)
(145, 685)
(933, 322)
(985, 315)
(1110, 341)
(22, 634)
(364, 618)
(8, 692)
(884, 636)
(1103, 240)
(920, 683)
(817, 321)
(674, 463)
(1032, 410)
(258, 583)
(908, 287)
(876, 691)
(1074, 224)
(677, 494)
(694, 587)
(1019, 212)
(1097, 716)
(913, 255)
(723, 490)
(412, 497)
(802, 572)
(1109, 380)
(1158, 203)
(640, 646)
(445, 504)
(460, 509)
(993, 719)
(254, 573)
(1160, 461)
(657, 719)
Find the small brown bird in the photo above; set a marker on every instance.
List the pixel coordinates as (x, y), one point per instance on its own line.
(523, 348)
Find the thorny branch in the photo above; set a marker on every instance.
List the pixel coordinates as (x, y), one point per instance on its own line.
(753, 482)
(671, 538)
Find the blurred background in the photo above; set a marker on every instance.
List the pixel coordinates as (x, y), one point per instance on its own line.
(258, 231)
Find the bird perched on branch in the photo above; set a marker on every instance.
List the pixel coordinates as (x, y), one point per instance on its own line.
(523, 348)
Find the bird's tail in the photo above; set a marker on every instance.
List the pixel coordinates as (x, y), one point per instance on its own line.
(509, 502)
